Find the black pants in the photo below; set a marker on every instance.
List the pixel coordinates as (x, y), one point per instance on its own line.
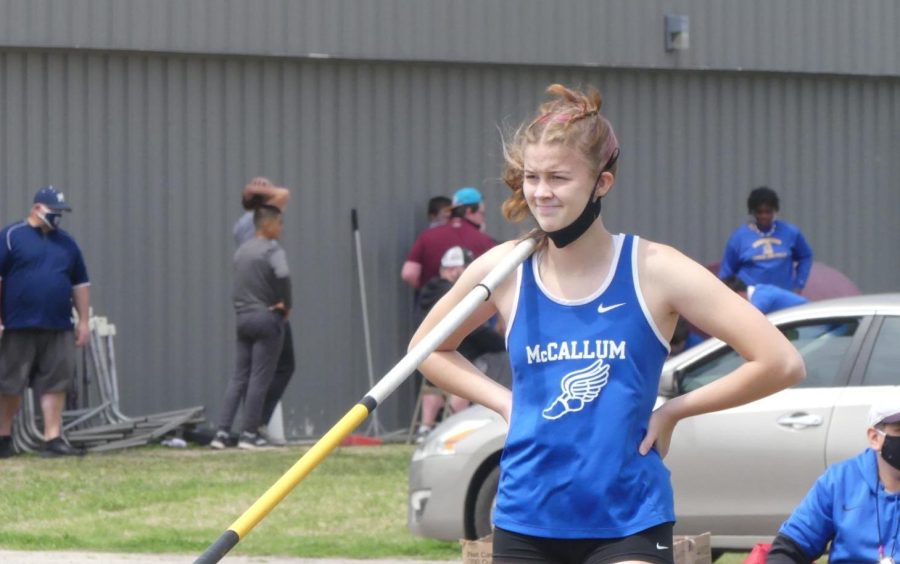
(283, 373)
(650, 545)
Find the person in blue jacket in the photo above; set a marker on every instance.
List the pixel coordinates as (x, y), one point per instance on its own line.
(767, 250)
(855, 505)
(765, 297)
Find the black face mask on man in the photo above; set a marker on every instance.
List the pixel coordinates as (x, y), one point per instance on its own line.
(50, 218)
(890, 449)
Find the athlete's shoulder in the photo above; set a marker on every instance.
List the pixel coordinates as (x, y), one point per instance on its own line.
(497, 252)
(661, 261)
(656, 251)
(490, 258)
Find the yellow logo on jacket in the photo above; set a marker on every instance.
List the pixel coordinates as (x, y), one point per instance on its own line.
(768, 253)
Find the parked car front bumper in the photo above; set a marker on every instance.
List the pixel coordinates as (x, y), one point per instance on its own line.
(446, 467)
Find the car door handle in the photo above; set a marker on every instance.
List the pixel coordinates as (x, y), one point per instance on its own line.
(800, 420)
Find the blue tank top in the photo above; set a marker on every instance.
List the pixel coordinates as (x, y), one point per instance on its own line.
(585, 378)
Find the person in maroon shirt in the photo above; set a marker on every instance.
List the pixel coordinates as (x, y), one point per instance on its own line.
(464, 229)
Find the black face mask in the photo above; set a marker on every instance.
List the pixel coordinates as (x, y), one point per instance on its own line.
(571, 232)
(50, 219)
(890, 450)
(564, 236)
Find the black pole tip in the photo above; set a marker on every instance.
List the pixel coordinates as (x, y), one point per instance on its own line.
(219, 549)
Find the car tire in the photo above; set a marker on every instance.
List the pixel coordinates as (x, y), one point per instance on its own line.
(484, 503)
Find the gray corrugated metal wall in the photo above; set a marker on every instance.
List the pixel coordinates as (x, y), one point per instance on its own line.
(819, 36)
(152, 150)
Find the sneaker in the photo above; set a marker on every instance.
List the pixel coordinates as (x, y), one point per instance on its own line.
(59, 447)
(7, 449)
(220, 440)
(252, 441)
(422, 434)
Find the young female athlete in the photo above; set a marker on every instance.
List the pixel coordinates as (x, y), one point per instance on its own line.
(589, 316)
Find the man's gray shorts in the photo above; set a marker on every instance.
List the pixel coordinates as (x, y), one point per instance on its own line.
(42, 359)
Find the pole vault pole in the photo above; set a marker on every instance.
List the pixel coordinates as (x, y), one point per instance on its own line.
(374, 429)
(358, 413)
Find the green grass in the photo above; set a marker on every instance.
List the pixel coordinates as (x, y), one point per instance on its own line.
(160, 500)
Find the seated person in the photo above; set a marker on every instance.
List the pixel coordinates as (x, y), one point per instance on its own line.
(483, 340)
(855, 505)
(765, 297)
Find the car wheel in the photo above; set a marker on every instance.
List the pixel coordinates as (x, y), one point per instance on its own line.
(484, 503)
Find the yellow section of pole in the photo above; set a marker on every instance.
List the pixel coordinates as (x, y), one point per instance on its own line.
(307, 463)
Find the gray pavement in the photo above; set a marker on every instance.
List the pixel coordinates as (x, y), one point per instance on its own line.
(72, 557)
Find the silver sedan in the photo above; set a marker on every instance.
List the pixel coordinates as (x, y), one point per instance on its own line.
(737, 473)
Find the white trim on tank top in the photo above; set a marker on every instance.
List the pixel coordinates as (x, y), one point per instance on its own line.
(515, 304)
(618, 241)
(640, 295)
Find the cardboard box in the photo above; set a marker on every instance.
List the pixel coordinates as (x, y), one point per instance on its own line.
(688, 550)
(693, 550)
(477, 551)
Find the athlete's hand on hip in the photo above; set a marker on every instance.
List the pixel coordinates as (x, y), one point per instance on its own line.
(659, 431)
(82, 333)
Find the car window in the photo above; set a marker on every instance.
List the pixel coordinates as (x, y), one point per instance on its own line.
(882, 369)
(822, 344)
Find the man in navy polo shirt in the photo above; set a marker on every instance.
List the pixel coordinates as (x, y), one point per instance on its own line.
(42, 273)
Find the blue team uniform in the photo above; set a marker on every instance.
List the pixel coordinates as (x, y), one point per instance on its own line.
(768, 258)
(585, 378)
(38, 272)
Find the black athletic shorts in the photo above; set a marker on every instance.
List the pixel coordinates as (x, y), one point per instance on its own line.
(650, 545)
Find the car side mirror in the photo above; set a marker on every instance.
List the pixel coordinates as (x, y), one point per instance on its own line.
(668, 383)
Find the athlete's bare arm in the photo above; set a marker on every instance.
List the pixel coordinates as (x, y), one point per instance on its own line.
(674, 284)
(446, 368)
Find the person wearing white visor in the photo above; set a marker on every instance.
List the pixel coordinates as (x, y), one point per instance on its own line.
(855, 505)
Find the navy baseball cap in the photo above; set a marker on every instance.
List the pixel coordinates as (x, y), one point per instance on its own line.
(52, 198)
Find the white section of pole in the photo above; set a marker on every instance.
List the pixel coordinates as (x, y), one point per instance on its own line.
(392, 380)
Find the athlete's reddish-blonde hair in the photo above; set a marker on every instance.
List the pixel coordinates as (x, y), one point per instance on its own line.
(573, 119)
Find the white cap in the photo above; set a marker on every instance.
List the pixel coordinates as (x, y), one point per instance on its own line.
(456, 256)
(885, 410)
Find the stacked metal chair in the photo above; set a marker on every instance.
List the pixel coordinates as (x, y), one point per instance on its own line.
(96, 422)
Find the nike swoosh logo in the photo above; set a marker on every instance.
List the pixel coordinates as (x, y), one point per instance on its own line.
(847, 508)
(661, 547)
(601, 309)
